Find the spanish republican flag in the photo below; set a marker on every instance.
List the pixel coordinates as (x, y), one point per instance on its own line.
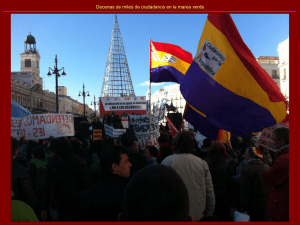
(227, 86)
(168, 62)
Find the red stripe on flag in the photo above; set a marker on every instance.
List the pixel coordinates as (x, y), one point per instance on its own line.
(174, 50)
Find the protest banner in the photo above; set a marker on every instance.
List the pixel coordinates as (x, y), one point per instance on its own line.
(140, 125)
(97, 135)
(119, 132)
(120, 105)
(41, 126)
(15, 125)
(265, 139)
(109, 130)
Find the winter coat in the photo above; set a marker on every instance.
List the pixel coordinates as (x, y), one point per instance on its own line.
(66, 180)
(277, 177)
(253, 191)
(221, 173)
(103, 201)
(21, 185)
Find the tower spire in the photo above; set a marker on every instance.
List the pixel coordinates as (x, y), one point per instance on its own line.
(117, 80)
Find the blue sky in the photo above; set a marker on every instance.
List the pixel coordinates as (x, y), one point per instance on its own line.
(81, 42)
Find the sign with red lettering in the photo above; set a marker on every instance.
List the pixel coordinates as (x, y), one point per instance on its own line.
(15, 127)
(97, 135)
(41, 126)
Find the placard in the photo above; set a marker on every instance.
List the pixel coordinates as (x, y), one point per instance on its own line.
(265, 139)
(97, 135)
(140, 125)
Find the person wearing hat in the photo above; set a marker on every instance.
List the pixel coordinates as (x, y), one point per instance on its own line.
(253, 190)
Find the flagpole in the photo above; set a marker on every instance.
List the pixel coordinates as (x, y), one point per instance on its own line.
(150, 95)
(184, 113)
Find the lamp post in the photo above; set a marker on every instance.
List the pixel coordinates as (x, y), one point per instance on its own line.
(56, 72)
(95, 103)
(84, 94)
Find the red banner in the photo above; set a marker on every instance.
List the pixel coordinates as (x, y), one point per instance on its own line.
(172, 127)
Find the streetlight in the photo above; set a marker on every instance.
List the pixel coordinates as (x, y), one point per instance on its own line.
(84, 94)
(56, 72)
(95, 103)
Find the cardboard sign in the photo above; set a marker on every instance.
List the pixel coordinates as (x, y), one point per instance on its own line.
(265, 139)
(41, 126)
(140, 125)
(97, 135)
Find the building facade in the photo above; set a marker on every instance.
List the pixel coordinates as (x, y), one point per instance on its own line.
(27, 85)
(270, 65)
(283, 52)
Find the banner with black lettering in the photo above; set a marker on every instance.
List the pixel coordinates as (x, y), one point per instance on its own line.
(140, 125)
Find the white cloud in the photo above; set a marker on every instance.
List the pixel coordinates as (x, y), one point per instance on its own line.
(146, 83)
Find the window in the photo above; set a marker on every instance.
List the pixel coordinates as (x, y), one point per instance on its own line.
(33, 102)
(13, 96)
(284, 74)
(23, 101)
(19, 99)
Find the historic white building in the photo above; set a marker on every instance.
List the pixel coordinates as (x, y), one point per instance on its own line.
(283, 52)
(270, 65)
(27, 85)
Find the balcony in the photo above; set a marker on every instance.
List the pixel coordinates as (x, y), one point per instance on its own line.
(275, 76)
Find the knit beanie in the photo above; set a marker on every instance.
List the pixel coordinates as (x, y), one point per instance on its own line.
(255, 153)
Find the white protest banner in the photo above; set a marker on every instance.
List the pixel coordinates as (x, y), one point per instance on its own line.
(15, 125)
(120, 105)
(41, 126)
(140, 125)
(109, 130)
(119, 132)
(265, 139)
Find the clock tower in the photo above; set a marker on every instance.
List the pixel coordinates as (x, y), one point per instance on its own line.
(30, 61)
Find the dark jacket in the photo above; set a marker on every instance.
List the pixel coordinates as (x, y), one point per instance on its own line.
(38, 173)
(277, 177)
(253, 191)
(221, 173)
(21, 185)
(103, 201)
(66, 180)
(137, 160)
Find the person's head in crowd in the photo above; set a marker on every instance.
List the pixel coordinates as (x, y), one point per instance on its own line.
(118, 141)
(133, 113)
(114, 159)
(184, 143)
(207, 142)
(127, 140)
(280, 137)
(61, 148)
(155, 193)
(170, 138)
(97, 146)
(38, 153)
(109, 140)
(165, 151)
(76, 146)
(150, 151)
(14, 147)
(22, 140)
(163, 138)
(217, 151)
(242, 147)
(253, 153)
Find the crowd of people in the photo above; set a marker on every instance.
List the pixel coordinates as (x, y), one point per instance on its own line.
(70, 179)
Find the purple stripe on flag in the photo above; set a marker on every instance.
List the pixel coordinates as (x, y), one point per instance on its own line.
(165, 74)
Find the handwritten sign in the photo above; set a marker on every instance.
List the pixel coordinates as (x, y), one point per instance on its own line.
(15, 125)
(265, 139)
(140, 125)
(119, 132)
(41, 126)
(109, 130)
(97, 135)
